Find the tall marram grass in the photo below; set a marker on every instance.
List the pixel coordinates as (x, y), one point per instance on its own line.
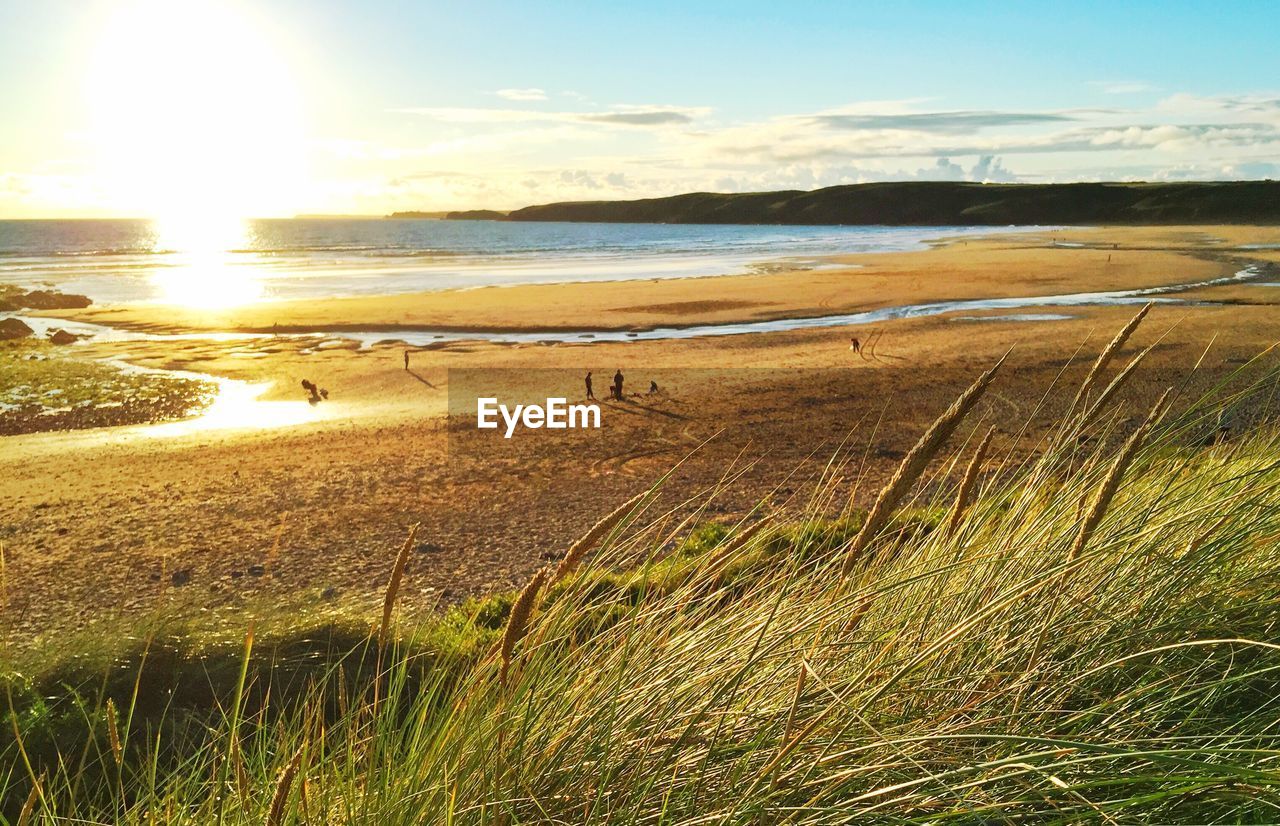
(995, 670)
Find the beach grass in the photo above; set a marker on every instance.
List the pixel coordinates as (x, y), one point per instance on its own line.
(1091, 636)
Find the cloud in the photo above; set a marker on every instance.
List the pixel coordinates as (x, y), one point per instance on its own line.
(459, 114)
(522, 155)
(621, 115)
(1255, 107)
(988, 169)
(944, 170)
(958, 122)
(1251, 171)
(521, 94)
(653, 117)
(802, 139)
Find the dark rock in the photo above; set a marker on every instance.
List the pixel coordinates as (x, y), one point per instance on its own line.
(428, 548)
(257, 570)
(180, 578)
(63, 337)
(52, 300)
(329, 593)
(237, 574)
(13, 328)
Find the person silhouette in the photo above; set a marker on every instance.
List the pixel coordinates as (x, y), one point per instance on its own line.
(590, 394)
(406, 359)
(617, 384)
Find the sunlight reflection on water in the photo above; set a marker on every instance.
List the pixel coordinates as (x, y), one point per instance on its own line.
(237, 405)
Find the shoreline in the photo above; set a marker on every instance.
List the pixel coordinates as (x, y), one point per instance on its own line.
(444, 334)
(384, 268)
(962, 269)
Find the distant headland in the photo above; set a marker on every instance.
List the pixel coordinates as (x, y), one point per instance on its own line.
(455, 215)
(930, 203)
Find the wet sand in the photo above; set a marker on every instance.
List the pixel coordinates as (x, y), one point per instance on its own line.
(126, 521)
(1021, 264)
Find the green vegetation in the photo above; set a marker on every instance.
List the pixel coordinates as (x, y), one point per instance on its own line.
(1092, 638)
(42, 387)
(936, 203)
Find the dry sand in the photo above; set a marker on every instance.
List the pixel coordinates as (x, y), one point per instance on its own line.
(98, 523)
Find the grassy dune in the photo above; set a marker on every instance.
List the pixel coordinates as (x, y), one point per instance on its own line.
(1085, 634)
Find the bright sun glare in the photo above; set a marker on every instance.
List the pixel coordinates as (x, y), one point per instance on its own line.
(197, 122)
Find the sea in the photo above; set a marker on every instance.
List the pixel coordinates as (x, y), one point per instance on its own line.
(130, 261)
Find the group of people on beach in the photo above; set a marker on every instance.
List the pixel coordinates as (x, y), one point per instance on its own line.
(615, 389)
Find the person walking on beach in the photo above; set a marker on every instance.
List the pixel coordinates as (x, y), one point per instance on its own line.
(406, 359)
(617, 384)
(590, 393)
(855, 345)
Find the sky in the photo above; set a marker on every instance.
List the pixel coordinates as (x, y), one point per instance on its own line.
(280, 107)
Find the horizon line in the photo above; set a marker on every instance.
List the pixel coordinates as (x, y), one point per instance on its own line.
(370, 215)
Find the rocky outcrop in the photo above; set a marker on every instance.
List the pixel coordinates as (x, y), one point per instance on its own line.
(14, 298)
(51, 300)
(13, 328)
(63, 337)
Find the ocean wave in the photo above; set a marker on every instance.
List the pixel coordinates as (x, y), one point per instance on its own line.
(89, 253)
(361, 249)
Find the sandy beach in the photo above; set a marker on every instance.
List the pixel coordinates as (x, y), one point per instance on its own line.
(126, 521)
(959, 269)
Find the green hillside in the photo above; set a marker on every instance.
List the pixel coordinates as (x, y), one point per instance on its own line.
(932, 203)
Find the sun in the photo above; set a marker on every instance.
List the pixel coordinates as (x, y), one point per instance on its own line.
(196, 119)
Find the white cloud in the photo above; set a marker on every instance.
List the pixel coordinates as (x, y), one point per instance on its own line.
(989, 170)
(947, 122)
(521, 94)
(517, 155)
(944, 170)
(521, 155)
(619, 115)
